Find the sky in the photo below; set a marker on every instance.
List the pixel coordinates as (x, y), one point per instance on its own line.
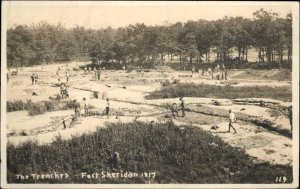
(120, 14)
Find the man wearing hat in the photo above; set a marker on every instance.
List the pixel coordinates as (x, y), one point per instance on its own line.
(182, 105)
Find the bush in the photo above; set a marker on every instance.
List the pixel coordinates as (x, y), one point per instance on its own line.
(17, 105)
(175, 154)
(36, 108)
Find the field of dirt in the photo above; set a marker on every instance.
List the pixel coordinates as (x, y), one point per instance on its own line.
(127, 92)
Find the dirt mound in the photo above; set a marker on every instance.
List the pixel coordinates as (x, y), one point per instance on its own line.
(281, 75)
(164, 68)
(136, 82)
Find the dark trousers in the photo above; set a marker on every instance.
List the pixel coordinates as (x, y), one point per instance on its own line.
(230, 126)
(183, 111)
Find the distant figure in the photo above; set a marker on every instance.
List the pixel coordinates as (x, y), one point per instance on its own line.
(124, 67)
(232, 119)
(142, 72)
(67, 76)
(174, 110)
(86, 107)
(64, 90)
(182, 106)
(98, 74)
(57, 72)
(107, 107)
(95, 72)
(32, 78)
(85, 70)
(76, 108)
(7, 77)
(90, 69)
(225, 74)
(64, 123)
(290, 111)
(193, 70)
(36, 77)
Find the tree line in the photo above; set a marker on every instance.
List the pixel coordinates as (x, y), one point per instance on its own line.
(191, 42)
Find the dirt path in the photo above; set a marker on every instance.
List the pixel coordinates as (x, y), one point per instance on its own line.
(257, 142)
(127, 92)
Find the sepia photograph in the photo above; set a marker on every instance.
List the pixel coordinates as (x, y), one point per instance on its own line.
(149, 94)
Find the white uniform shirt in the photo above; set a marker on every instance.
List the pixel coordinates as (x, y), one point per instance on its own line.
(232, 117)
(86, 103)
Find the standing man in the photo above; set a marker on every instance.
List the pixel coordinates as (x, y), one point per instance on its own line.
(95, 72)
(76, 108)
(86, 107)
(193, 70)
(67, 76)
(99, 73)
(36, 77)
(290, 110)
(107, 108)
(32, 78)
(57, 72)
(232, 119)
(182, 105)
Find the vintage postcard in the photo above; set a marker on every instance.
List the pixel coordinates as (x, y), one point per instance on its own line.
(149, 94)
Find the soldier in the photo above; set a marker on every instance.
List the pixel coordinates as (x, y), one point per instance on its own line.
(99, 74)
(32, 78)
(193, 70)
(107, 107)
(232, 119)
(86, 107)
(290, 110)
(67, 76)
(76, 108)
(182, 105)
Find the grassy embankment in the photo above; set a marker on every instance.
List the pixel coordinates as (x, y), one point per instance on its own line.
(226, 92)
(175, 154)
(35, 108)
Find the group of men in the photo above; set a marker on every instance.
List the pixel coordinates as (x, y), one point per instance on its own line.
(219, 72)
(78, 107)
(174, 109)
(97, 72)
(34, 78)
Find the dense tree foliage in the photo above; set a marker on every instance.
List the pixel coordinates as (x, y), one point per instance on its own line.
(191, 42)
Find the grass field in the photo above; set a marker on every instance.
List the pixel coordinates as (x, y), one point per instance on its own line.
(35, 108)
(229, 92)
(175, 154)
